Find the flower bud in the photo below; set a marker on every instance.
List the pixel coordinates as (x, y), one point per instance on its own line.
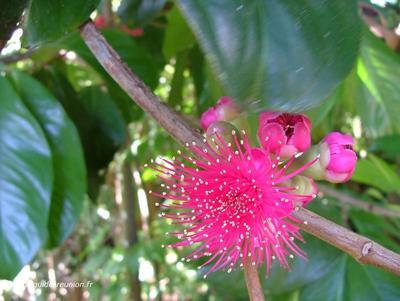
(338, 157)
(100, 21)
(221, 130)
(224, 110)
(302, 186)
(284, 134)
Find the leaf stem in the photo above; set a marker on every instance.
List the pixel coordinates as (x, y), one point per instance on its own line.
(253, 282)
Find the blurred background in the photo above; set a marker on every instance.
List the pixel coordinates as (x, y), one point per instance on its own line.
(74, 202)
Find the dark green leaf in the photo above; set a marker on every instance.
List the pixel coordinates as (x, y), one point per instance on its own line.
(388, 145)
(52, 19)
(26, 179)
(140, 12)
(68, 162)
(377, 172)
(329, 287)
(321, 260)
(287, 55)
(365, 283)
(98, 120)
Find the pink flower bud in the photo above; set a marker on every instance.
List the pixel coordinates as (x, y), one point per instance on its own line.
(224, 110)
(338, 157)
(284, 134)
(100, 22)
(136, 32)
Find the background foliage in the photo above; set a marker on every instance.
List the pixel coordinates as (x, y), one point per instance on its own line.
(73, 205)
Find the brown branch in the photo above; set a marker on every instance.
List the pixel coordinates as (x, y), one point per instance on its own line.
(347, 199)
(361, 248)
(253, 282)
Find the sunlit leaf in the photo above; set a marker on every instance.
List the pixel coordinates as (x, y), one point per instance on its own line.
(26, 179)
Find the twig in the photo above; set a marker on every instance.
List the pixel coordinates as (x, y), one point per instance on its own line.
(347, 199)
(361, 248)
(253, 282)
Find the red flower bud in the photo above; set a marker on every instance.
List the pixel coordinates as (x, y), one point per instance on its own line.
(100, 21)
(284, 134)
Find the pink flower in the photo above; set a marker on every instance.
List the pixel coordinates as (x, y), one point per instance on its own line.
(224, 110)
(136, 32)
(100, 21)
(234, 202)
(338, 157)
(284, 134)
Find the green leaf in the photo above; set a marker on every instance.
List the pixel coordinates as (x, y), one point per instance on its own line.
(351, 281)
(379, 71)
(376, 172)
(178, 35)
(140, 11)
(329, 287)
(49, 20)
(26, 179)
(286, 55)
(322, 258)
(68, 162)
(98, 120)
(388, 145)
(365, 283)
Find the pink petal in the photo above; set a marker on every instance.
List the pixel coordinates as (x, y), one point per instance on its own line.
(334, 177)
(301, 138)
(272, 137)
(208, 117)
(260, 160)
(225, 101)
(339, 138)
(342, 162)
(266, 117)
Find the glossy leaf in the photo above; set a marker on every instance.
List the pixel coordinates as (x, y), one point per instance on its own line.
(97, 118)
(26, 179)
(139, 11)
(389, 146)
(69, 166)
(376, 172)
(329, 287)
(286, 55)
(49, 20)
(365, 283)
(321, 260)
(379, 71)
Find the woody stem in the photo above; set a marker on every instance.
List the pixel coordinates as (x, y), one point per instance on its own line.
(253, 282)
